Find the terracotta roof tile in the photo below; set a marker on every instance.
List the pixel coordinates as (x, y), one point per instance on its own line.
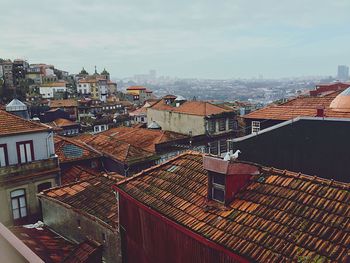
(52, 248)
(280, 216)
(92, 196)
(143, 138)
(116, 149)
(200, 108)
(63, 103)
(136, 88)
(77, 173)
(12, 124)
(69, 150)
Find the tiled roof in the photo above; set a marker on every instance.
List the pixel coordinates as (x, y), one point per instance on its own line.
(301, 106)
(12, 124)
(60, 122)
(279, 217)
(70, 150)
(52, 248)
(76, 173)
(200, 108)
(290, 112)
(92, 197)
(116, 149)
(143, 138)
(136, 88)
(54, 84)
(63, 103)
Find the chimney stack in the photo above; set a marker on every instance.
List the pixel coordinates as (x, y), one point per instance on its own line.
(227, 178)
(320, 112)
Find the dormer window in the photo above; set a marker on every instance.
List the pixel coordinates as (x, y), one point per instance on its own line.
(255, 126)
(218, 187)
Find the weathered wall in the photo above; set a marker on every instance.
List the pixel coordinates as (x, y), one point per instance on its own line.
(177, 122)
(43, 147)
(32, 200)
(65, 222)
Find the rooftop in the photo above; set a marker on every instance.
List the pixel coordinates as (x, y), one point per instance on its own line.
(11, 124)
(200, 108)
(116, 149)
(92, 197)
(143, 138)
(70, 150)
(63, 103)
(60, 122)
(52, 248)
(280, 216)
(136, 88)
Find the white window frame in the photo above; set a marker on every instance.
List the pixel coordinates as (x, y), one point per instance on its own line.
(255, 126)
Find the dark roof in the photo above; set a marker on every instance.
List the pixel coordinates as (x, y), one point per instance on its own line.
(52, 248)
(280, 216)
(92, 197)
(77, 173)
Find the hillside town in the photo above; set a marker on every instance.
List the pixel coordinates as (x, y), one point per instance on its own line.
(93, 173)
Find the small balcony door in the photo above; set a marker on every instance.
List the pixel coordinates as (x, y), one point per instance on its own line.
(25, 152)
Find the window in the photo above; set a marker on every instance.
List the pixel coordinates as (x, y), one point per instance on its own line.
(213, 148)
(218, 187)
(25, 151)
(44, 186)
(79, 223)
(102, 128)
(223, 146)
(222, 124)
(211, 126)
(18, 204)
(3, 155)
(255, 126)
(97, 128)
(231, 123)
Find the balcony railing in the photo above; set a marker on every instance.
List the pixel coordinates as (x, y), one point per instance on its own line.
(8, 173)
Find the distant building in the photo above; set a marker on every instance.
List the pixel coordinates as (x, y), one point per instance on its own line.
(138, 95)
(7, 69)
(197, 208)
(323, 103)
(343, 73)
(53, 90)
(68, 105)
(27, 166)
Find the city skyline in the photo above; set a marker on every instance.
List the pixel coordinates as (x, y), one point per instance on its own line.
(197, 39)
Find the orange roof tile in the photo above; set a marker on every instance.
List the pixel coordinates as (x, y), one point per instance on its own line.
(60, 122)
(52, 248)
(136, 88)
(143, 138)
(116, 149)
(279, 217)
(71, 150)
(11, 124)
(63, 103)
(200, 108)
(92, 196)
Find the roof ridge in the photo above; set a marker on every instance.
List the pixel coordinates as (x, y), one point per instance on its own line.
(24, 120)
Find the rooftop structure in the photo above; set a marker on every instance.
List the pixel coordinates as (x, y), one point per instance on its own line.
(233, 212)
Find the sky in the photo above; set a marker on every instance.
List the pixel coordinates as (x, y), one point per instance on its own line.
(183, 38)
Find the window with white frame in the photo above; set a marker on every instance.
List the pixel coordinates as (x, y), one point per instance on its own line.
(18, 203)
(3, 155)
(25, 151)
(218, 187)
(255, 126)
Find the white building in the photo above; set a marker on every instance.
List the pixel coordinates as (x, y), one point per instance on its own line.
(48, 90)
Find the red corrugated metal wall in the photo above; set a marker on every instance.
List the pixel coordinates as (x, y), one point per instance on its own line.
(146, 238)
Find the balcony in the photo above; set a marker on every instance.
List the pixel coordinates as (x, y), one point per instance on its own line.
(17, 171)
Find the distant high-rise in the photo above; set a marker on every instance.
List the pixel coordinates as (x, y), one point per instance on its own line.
(343, 73)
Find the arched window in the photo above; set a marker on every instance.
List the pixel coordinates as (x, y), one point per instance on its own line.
(18, 203)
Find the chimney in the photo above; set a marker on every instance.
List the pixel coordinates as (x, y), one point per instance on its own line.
(227, 178)
(320, 112)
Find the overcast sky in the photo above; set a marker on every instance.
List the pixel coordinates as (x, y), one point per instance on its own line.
(184, 38)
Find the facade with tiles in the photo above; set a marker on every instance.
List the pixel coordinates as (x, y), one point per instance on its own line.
(28, 165)
(197, 208)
